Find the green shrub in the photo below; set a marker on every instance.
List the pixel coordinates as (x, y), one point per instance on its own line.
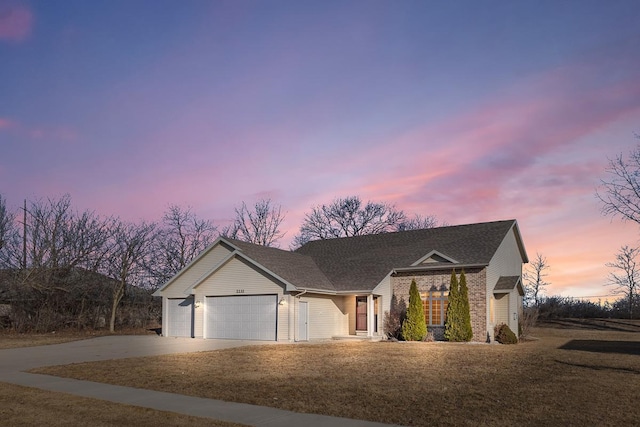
(414, 327)
(452, 321)
(457, 325)
(504, 334)
(466, 331)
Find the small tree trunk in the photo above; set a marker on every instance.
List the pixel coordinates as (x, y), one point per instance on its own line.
(118, 292)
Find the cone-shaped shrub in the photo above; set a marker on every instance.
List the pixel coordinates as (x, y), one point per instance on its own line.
(414, 327)
(466, 332)
(452, 320)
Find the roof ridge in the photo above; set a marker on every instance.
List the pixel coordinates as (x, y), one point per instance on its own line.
(415, 231)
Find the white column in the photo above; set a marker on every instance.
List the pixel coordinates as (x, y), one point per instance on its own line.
(370, 316)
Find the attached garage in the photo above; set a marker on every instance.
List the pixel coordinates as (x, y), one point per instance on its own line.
(241, 317)
(180, 317)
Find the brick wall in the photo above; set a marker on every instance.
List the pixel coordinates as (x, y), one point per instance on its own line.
(428, 280)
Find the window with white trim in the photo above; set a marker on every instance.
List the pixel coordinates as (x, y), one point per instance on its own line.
(435, 304)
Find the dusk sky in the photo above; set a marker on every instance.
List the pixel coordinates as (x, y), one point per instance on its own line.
(468, 110)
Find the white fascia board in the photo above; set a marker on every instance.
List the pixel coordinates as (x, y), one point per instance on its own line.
(215, 268)
(432, 253)
(437, 267)
(520, 242)
(158, 292)
(289, 287)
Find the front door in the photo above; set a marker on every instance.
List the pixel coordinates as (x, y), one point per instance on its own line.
(303, 321)
(361, 313)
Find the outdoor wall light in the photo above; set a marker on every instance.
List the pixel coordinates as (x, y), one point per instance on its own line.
(197, 304)
(281, 302)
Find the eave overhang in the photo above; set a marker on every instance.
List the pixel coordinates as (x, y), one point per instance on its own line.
(442, 267)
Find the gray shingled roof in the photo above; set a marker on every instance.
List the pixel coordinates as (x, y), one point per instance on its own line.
(360, 263)
(506, 283)
(299, 270)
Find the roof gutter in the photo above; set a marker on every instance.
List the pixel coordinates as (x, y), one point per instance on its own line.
(301, 293)
(435, 267)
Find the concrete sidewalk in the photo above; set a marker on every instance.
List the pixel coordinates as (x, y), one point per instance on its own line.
(14, 362)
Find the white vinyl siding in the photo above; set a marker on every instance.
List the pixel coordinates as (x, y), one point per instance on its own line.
(246, 317)
(237, 277)
(179, 317)
(502, 309)
(507, 261)
(383, 290)
(327, 316)
(189, 276)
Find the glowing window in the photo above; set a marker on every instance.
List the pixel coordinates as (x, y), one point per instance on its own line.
(434, 304)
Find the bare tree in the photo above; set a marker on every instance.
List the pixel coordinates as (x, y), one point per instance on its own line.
(625, 275)
(260, 225)
(620, 194)
(534, 278)
(59, 237)
(130, 244)
(181, 237)
(419, 222)
(345, 217)
(9, 238)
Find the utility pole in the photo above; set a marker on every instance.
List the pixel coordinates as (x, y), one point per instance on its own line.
(24, 236)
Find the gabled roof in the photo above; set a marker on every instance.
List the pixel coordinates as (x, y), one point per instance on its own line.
(362, 262)
(298, 269)
(507, 284)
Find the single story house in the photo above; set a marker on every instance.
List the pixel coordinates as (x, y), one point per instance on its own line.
(340, 287)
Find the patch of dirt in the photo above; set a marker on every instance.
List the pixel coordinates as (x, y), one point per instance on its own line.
(416, 384)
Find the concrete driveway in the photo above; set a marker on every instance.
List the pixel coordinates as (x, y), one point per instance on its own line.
(108, 347)
(13, 363)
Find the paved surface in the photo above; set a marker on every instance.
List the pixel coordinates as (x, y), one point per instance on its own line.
(14, 362)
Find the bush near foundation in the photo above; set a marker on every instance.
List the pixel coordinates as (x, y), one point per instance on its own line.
(504, 334)
(414, 327)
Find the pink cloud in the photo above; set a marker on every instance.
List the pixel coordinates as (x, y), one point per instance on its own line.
(16, 23)
(5, 123)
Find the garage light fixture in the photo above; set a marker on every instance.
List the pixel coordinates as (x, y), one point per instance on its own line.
(281, 302)
(197, 304)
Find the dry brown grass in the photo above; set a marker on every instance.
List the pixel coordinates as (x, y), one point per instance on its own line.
(24, 406)
(534, 383)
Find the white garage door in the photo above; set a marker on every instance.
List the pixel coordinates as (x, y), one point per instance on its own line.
(180, 317)
(246, 317)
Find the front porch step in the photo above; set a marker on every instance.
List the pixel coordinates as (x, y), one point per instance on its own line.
(357, 338)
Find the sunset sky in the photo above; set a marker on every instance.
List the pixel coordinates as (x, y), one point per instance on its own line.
(468, 110)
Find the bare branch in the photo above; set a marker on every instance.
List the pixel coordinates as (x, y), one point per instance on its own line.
(625, 275)
(260, 225)
(534, 278)
(345, 217)
(620, 193)
(182, 237)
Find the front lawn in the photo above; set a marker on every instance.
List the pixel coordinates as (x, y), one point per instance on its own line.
(419, 384)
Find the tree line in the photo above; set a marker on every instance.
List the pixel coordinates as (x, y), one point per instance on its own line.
(50, 252)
